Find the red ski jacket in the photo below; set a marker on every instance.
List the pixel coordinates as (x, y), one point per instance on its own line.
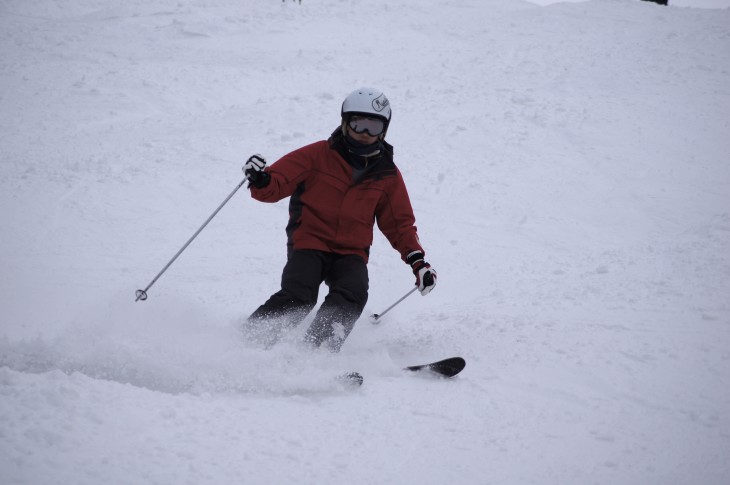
(334, 206)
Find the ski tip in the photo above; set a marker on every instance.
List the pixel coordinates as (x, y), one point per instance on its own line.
(459, 363)
(443, 368)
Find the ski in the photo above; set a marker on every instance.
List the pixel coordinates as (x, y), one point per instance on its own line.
(351, 379)
(443, 368)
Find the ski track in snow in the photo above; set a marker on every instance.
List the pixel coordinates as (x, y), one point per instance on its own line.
(568, 169)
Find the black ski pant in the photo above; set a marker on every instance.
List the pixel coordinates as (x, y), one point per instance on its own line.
(305, 270)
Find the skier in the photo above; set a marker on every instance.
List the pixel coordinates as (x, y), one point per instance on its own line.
(338, 188)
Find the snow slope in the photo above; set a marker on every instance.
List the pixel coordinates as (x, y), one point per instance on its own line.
(568, 165)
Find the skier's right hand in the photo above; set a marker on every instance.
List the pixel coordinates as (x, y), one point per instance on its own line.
(254, 171)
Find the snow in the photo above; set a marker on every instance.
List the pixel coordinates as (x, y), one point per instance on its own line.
(673, 3)
(568, 165)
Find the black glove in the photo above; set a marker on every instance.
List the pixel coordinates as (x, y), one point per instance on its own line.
(254, 171)
(425, 275)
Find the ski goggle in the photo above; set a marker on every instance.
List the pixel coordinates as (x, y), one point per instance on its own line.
(364, 124)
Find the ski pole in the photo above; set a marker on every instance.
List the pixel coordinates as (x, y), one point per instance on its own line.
(142, 294)
(375, 317)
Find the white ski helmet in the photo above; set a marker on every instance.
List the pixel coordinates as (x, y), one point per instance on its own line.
(368, 102)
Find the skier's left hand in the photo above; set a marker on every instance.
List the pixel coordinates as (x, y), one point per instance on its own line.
(425, 274)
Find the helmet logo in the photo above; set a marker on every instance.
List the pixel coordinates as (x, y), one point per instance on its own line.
(380, 103)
